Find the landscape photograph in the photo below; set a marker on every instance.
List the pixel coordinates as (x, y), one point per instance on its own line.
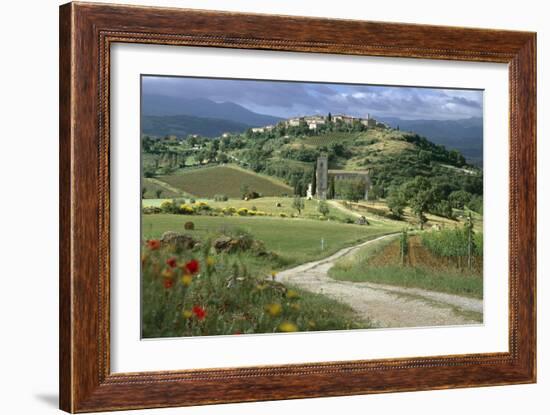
(284, 206)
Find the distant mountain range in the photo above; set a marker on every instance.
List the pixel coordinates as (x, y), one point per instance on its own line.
(184, 125)
(464, 135)
(159, 105)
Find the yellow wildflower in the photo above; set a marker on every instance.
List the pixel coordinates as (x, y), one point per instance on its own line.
(274, 309)
(186, 279)
(210, 261)
(187, 314)
(288, 327)
(168, 273)
(292, 294)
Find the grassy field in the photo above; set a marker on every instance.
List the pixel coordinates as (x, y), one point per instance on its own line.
(209, 181)
(295, 241)
(380, 263)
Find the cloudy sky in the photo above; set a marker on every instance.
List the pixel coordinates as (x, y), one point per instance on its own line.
(287, 99)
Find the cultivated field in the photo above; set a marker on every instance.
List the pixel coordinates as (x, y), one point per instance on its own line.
(382, 263)
(228, 180)
(152, 187)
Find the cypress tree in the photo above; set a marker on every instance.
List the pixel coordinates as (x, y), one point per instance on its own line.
(314, 180)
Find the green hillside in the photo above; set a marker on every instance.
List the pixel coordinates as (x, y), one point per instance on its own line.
(224, 180)
(402, 165)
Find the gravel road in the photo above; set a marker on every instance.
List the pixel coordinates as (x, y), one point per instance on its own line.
(385, 305)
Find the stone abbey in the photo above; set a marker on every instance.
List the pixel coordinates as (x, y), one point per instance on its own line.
(324, 177)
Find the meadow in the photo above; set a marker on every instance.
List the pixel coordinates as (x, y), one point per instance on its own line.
(294, 241)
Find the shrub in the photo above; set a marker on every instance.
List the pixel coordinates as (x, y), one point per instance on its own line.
(149, 210)
(186, 210)
(283, 215)
(167, 207)
(179, 201)
(229, 210)
(476, 204)
(251, 195)
(203, 206)
(443, 208)
(459, 198)
(189, 226)
(220, 198)
(242, 211)
(323, 208)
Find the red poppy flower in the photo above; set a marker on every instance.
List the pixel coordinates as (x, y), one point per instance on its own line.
(168, 283)
(192, 266)
(171, 262)
(199, 312)
(153, 244)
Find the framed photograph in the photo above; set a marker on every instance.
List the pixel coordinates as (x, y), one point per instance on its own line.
(260, 207)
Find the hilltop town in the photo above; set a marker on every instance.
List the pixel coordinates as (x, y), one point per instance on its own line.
(313, 122)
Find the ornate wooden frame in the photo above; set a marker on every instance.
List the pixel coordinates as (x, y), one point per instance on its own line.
(86, 33)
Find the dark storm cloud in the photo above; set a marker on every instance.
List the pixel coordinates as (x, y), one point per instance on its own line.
(286, 99)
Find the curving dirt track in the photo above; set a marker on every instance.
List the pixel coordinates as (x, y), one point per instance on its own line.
(385, 305)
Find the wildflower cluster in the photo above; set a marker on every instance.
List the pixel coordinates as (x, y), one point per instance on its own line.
(198, 293)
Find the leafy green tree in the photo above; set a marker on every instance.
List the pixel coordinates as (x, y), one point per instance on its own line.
(223, 158)
(420, 194)
(323, 208)
(331, 192)
(148, 172)
(143, 191)
(460, 198)
(443, 208)
(314, 180)
(375, 193)
(158, 192)
(353, 190)
(396, 202)
(298, 204)
(476, 204)
(245, 190)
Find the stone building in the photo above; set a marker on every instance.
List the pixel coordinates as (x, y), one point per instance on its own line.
(323, 176)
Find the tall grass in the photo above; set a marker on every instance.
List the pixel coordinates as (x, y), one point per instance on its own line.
(443, 281)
